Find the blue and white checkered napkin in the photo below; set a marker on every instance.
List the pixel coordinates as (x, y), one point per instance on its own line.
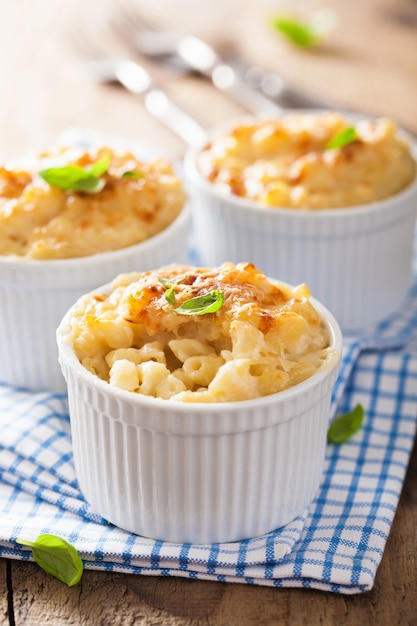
(336, 545)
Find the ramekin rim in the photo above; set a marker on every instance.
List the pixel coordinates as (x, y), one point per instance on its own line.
(336, 342)
(194, 176)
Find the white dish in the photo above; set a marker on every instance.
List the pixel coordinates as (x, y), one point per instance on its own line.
(35, 295)
(198, 473)
(355, 260)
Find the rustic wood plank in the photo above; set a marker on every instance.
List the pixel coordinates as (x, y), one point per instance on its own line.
(376, 74)
(4, 596)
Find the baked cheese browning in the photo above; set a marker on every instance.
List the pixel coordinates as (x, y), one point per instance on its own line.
(286, 162)
(39, 221)
(265, 337)
(13, 182)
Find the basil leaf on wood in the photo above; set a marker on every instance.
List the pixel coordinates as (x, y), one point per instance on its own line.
(297, 32)
(305, 34)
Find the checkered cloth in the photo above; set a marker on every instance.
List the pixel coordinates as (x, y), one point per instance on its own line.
(335, 545)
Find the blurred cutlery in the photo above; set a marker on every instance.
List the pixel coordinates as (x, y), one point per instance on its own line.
(135, 79)
(258, 91)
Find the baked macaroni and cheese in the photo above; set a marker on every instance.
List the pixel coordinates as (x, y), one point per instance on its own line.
(310, 160)
(200, 335)
(76, 203)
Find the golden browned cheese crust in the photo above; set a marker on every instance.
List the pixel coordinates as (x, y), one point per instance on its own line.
(38, 221)
(264, 338)
(286, 162)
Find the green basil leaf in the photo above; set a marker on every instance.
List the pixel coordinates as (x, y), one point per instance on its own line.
(63, 177)
(166, 283)
(209, 303)
(170, 290)
(92, 184)
(131, 174)
(170, 295)
(302, 33)
(99, 167)
(299, 33)
(57, 557)
(346, 425)
(76, 178)
(344, 138)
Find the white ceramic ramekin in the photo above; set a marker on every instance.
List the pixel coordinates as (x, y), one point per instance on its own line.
(355, 260)
(34, 296)
(198, 473)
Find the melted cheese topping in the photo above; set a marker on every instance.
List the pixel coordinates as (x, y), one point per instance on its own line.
(285, 162)
(266, 337)
(38, 221)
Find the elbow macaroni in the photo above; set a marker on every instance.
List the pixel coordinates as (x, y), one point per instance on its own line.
(38, 221)
(265, 338)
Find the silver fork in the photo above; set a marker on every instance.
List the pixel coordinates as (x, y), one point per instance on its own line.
(137, 80)
(257, 90)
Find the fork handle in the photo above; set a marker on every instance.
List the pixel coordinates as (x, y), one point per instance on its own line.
(201, 57)
(179, 121)
(227, 79)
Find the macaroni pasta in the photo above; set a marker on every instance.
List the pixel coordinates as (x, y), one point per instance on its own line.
(264, 338)
(286, 162)
(40, 221)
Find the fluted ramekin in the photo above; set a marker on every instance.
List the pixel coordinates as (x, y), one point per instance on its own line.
(198, 473)
(34, 296)
(356, 260)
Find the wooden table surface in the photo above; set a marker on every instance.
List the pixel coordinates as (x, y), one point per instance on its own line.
(370, 64)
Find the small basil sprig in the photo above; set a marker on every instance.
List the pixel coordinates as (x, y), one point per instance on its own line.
(132, 174)
(57, 557)
(305, 34)
(76, 178)
(346, 425)
(344, 138)
(170, 290)
(209, 303)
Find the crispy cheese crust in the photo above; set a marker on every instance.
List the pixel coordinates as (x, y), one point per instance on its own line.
(286, 163)
(38, 221)
(266, 336)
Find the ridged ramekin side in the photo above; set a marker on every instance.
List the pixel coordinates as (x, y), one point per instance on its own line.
(35, 295)
(199, 487)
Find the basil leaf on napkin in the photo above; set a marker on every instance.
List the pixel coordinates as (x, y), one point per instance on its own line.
(346, 425)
